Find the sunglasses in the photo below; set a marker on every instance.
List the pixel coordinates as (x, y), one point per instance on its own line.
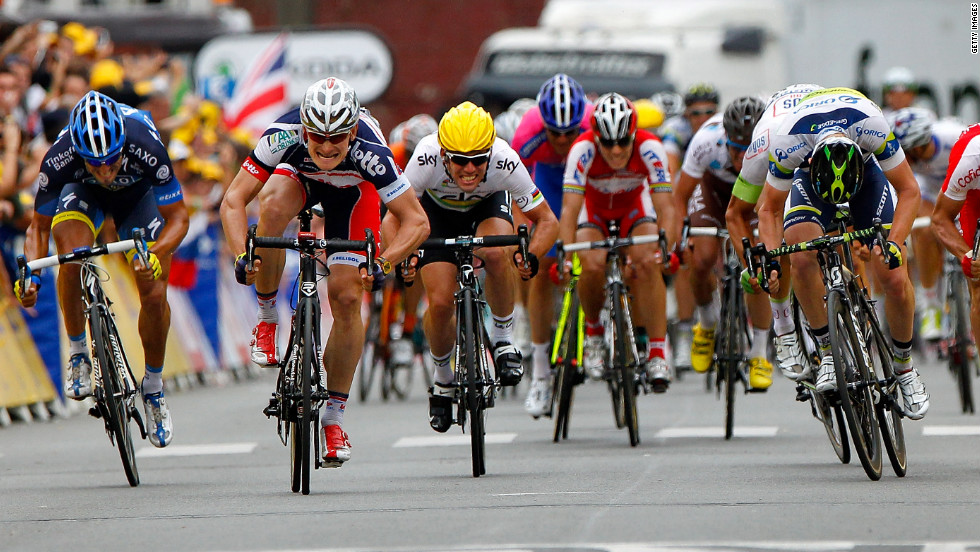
(574, 131)
(463, 160)
(103, 162)
(739, 147)
(622, 142)
(699, 112)
(334, 139)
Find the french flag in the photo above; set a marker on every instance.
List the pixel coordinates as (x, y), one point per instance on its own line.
(260, 98)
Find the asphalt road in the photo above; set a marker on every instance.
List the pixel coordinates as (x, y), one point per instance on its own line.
(224, 482)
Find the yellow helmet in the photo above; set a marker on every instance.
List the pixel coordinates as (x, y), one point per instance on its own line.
(465, 128)
(648, 114)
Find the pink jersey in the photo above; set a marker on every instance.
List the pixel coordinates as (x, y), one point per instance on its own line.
(532, 144)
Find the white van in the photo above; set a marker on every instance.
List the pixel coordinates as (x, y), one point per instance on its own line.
(639, 47)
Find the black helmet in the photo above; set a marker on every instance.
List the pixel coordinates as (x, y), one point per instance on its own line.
(836, 169)
(700, 92)
(741, 117)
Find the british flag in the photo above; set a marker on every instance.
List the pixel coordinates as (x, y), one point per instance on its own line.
(260, 97)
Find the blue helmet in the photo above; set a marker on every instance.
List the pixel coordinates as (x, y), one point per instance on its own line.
(561, 101)
(97, 128)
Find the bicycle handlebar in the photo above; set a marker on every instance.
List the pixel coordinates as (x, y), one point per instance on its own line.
(609, 243)
(25, 268)
(306, 241)
(471, 242)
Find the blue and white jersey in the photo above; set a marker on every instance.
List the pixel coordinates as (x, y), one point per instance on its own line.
(282, 150)
(826, 111)
(145, 163)
(676, 134)
(708, 152)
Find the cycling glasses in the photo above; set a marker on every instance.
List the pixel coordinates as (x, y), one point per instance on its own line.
(622, 142)
(335, 139)
(103, 162)
(574, 131)
(699, 112)
(462, 160)
(739, 147)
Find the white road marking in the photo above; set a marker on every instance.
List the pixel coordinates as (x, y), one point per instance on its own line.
(740, 431)
(196, 450)
(452, 440)
(950, 430)
(551, 493)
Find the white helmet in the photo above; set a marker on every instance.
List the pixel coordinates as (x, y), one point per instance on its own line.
(912, 126)
(506, 124)
(416, 128)
(671, 103)
(330, 107)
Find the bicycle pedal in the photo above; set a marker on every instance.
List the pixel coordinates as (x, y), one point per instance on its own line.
(802, 393)
(94, 412)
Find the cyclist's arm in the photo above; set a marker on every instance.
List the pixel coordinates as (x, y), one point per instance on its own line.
(38, 234)
(545, 229)
(907, 201)
(412, 227)
(771, 204)
(683, 191)
(571, 206)
(737, 218)
(667, 217)
(177, 221)
(943, 216)
(234, 219)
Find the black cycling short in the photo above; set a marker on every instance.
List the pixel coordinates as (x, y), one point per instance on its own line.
(446, 223)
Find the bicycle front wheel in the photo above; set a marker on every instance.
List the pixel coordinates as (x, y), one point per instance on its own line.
(566, 370)
(854, 384)
(473, 391)
(107, 347)
(959, 355)
(305, 368)
(625, 360)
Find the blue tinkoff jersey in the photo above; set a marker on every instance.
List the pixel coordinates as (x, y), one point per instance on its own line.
(828, 111)
(145, 163)
(281, 150)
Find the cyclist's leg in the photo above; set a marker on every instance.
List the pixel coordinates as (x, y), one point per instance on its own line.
(806, 218)
(874, 200)
(439, 277)
(592, 292)
(928, 267)
(75, 224)
(649, 303)
(707, 211)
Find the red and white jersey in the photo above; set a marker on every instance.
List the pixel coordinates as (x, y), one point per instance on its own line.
(613, 189)
(963, 175)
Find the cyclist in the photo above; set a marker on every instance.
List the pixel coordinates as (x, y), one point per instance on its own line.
(961, 196)
(899, 89)
(542, 140)
(406, 135)
(927, 144)
(741, 213)
(711, 167)
(110, 162)
(832, 129)
(700, 104)
(466, 176)
(328, 151)
(617, 172)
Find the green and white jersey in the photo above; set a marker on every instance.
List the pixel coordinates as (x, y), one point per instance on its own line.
(828, 111)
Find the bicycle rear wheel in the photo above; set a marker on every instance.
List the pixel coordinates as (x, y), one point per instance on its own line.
(959, 356)
(729, 351)
(106, 343)
(889, 418)
(625, 360)
(854, 384)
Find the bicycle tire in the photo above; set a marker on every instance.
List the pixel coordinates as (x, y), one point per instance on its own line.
(730, 350)
(831, 415)
(959, 357)
(301, 426)
(566, 369)
(625, 360)
(853, 386)
(889, 418)
(473, 390)
(113, 397)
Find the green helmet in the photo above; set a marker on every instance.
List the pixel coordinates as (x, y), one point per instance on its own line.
(836, 169)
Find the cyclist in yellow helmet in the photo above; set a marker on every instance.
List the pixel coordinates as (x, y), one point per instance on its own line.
(466, 178)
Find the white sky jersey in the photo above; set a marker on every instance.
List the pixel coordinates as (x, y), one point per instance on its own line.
(932, 173)
(676, 134)
(505, 172)
(829, 110)
(755, 164)
(708, 152)
(282, 149)
(964, 175)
